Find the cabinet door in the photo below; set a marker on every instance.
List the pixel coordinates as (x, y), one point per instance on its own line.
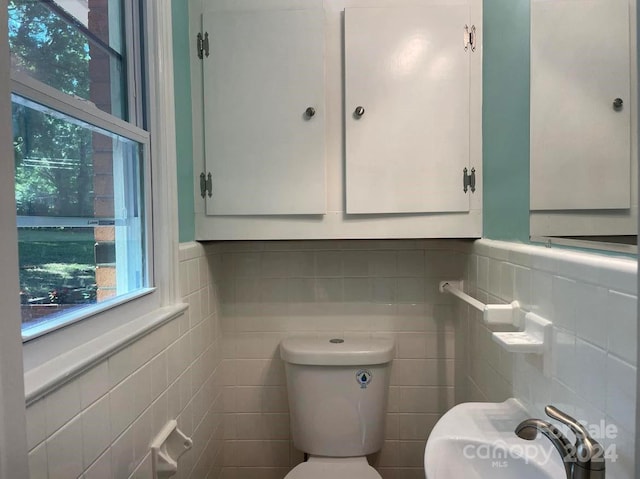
(580, 142)
(408, 69)
(265, 153)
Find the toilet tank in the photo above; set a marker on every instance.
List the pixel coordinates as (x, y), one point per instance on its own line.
(337, 390)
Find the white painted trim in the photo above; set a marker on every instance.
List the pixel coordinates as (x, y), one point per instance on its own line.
(13, 437)
(337, 225)
(163, 147)
(53, 374)
(83, 110)
(84, 312)
(45, 352)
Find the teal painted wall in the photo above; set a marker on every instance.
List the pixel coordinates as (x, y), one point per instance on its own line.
(505, 119)
(184, 142)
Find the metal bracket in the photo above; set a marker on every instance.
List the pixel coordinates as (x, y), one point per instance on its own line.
(206, 185)
(203, 45)
(470, 38)
(469, 180)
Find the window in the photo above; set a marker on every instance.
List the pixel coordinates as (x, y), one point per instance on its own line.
(81, 158)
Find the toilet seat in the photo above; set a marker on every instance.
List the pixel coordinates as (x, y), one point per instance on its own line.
(334, 468)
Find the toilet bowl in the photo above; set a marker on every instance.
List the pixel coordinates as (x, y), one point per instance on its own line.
(334, 468)
(337, 390)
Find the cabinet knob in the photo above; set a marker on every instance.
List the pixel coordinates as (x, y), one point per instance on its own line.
(617, 104)
(359, 112)
(310, 112)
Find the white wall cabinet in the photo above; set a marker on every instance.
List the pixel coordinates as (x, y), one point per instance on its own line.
(580, 141)
(408, 73)
(396, 171)
(583, 59)
(264, 112)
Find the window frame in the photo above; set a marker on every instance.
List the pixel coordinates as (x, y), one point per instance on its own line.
(54, 358)
(77, 108)
(40, 93)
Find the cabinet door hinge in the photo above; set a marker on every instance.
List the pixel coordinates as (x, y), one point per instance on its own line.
(206, 185)
(469, 180)
(470, 37)
(203, 45)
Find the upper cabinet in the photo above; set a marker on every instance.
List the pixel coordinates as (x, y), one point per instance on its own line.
(406, 109)
(339, 119)
(264, 112)
(580, 105)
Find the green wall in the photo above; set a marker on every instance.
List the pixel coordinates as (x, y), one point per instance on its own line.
(184, 142)
(505, 119)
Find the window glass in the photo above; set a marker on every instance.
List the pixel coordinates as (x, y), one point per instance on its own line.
(80, 214)
(75, 46)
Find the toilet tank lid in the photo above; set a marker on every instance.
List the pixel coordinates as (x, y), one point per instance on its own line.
(336, 351)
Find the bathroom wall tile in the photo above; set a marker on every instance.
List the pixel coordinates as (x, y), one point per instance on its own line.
(522, 287)
(392, 426)
(619, 275)
(274, 290)
(591, 314)
(274, 399)
(96, 431)
(36, 424)
(328, 263)
(355, 263)
(621, 384)
(62, 405)
(416, 426)
(275, 264)
(193, 275)
(122, 455)
(389, 455)
(384, 290)
(426, 399)
(542, 294)
(411, 263)
(591, 373)
(565, 298)
(410, 290)
(411, 453)
(357, 290)
(94, 384)
(143, 471)
(495, 280)
(121, 365)
(622, 325)
(329, 290)
(382, 263)
(507, 279)
(63, 452)
(118, 405)
(565, 361)
(423, 372)
(246, 265)
(483, 273)
(38, 462)
(301, 264)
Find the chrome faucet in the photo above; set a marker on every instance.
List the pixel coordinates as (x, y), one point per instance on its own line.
(584, 460)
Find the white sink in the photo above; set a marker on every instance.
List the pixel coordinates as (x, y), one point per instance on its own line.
(477, 441)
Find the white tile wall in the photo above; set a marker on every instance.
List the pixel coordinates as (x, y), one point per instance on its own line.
(274, 289)
(99, 425)
(218, 371)
(591, 301)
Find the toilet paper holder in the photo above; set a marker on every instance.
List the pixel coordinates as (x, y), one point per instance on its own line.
(166, 448)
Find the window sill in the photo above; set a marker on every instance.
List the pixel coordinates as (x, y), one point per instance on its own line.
(51, 375)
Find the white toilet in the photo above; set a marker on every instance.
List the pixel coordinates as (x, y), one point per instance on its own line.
(337, 401)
